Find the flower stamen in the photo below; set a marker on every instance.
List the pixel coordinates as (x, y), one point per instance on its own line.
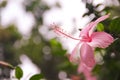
(60, 31)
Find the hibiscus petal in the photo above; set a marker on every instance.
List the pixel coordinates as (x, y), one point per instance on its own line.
(91, 77)
(101, 39)
(88, 30)
(87, 55)
(83, 67)
(96, 22)
(85, 31)
(86, 71)
(75, 57)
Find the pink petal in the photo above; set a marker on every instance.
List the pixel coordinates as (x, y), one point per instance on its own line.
(101, 39)
(86, 71)
(87, 55)
(91, 78)
(96, 22)
(83, 67)
(85, 31)
(75, 57)
(88, 30)
(88, 75)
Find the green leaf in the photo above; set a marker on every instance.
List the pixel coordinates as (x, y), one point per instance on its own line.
(100, 27)
(18, 72)
(115, 26)
(36, 77)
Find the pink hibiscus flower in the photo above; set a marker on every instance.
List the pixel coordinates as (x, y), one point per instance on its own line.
(88, 40)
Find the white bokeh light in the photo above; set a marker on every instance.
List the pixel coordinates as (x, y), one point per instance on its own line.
(14, 13)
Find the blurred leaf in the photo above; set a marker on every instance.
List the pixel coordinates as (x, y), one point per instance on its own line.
(37, 77)
(3, 3)
(97, 69)
(57, 48)
(31, 5)
(58, 5)
(115, 26)
(107, 9)
(100, 27)
(68, 67)
(85, 14)
(98, 5)
(18, 72)
(54, 42)
(36, 5)
(114, 47)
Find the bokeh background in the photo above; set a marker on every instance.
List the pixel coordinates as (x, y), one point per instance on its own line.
(27, 40)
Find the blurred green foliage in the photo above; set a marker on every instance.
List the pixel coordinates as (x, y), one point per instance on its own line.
(50, 56)
(100, 27)
(114, 27)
